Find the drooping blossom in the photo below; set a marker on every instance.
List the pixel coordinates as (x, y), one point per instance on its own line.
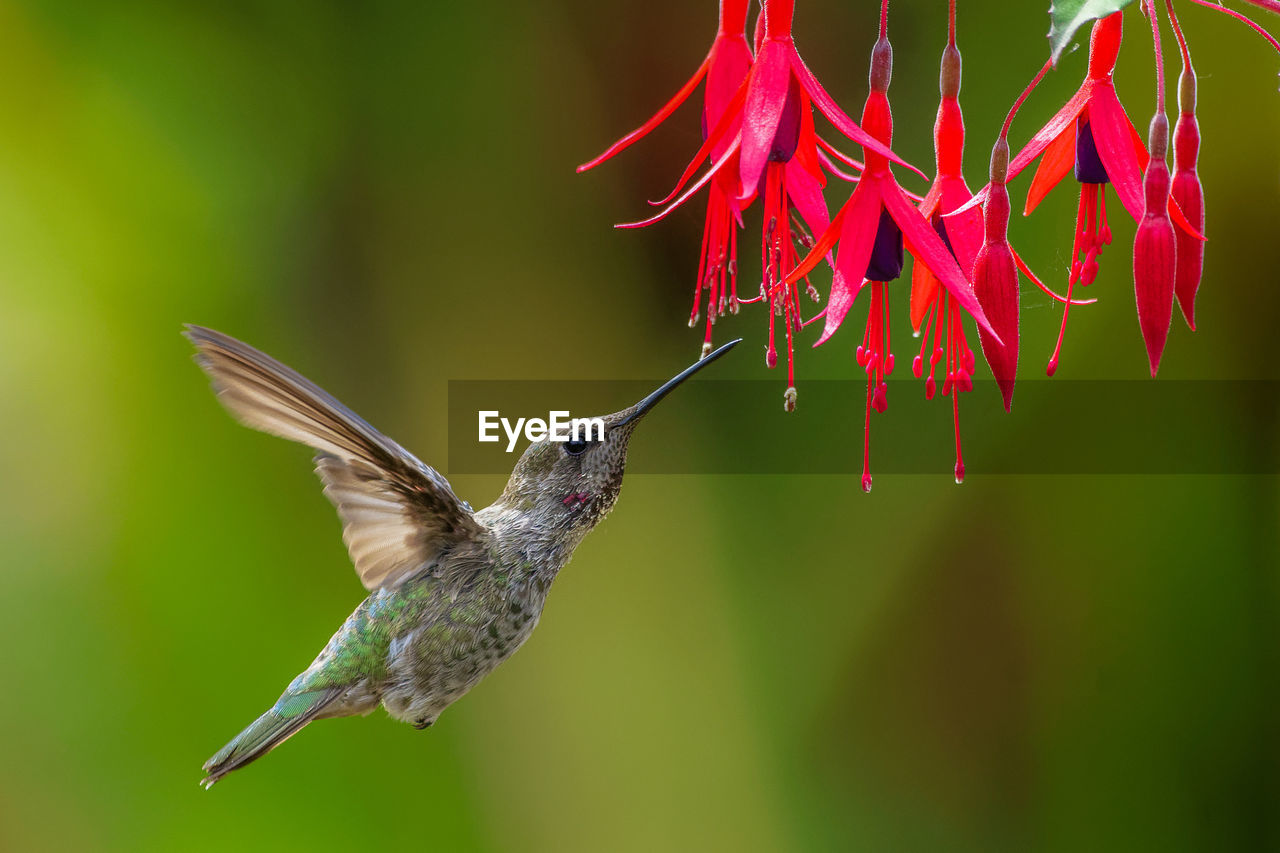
(933, 308)
(725, 68)
(1187, 190)
(1154, 244)
(870, 229)
(769, 130)
(1093, 135)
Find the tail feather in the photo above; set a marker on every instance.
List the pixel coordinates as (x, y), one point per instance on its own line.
(286, 718)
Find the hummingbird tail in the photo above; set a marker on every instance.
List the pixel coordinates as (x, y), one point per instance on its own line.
(286, 718)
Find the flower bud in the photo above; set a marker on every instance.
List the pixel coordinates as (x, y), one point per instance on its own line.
(1189, 195)
(1154, 251)
(995, 284)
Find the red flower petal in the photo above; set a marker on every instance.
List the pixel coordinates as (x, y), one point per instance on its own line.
(805, 192)
(766, 95)
(1115, 148)
(931, 251)
(730, 64)
(1064, 118)
(658, 118)
(857, 222)
(1059, 158)
(924, 289)
(1026, 270)
(837, 116)
(702, 182)
(838, 304)
(717, 134)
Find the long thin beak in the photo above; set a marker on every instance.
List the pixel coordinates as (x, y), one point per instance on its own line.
(652, 400)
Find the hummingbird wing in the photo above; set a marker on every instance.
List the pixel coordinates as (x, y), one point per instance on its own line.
(397, 513)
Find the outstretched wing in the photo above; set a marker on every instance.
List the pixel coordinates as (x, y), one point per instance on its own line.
(397, 513)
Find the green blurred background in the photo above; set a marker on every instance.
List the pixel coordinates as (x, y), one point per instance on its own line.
(383, 195)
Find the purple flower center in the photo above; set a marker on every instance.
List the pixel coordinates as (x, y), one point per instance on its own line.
(941, 228)
(886, 252)
(787, 136)
(1089, 168)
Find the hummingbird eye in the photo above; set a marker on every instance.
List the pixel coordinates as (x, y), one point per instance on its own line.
(575, 446)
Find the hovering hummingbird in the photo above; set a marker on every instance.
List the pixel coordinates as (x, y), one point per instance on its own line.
(452, 592)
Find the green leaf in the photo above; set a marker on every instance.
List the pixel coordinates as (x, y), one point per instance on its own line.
(1067, 16)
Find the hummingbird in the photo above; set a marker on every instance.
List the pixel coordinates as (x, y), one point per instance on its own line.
(452, 592)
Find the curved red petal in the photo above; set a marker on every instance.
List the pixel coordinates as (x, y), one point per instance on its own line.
(762, 111)
(805, 192)
(1061, 120)
(1035, 279)
(1115, 148)
(924, 289)
(1059, 158)
(658, 118)
(832, 112)
(730, 64)
(714, 138)
(931, 251)
(690, 192)
(842, 297)
(834, 232)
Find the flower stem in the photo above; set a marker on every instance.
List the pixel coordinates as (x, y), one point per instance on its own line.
(884, 17)
(951, 24)
(1155, 38)
(1177, 31)
(1273, 6)
(1017, 105)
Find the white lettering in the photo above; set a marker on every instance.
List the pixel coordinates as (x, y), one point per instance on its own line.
(560, 424)
(513, 435)
(594, 429)
(488, 422)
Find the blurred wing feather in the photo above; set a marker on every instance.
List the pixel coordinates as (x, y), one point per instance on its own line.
(397, 513)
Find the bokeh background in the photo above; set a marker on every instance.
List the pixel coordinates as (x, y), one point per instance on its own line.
(382, 194)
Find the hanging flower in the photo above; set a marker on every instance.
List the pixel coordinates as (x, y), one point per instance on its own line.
(725, 68)
(870, 229)
(933, 308)
(1154, 244)
(771, 141)
(1187, 191)
(1093, 135)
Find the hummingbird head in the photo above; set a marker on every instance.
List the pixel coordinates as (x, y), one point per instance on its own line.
(571, 485)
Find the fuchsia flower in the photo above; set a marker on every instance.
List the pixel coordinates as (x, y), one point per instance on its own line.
(871, 228)
(767, 132)
(932, 304)
(725, 68)
(1186, 190)
(1154, 245)
(1092, 134)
